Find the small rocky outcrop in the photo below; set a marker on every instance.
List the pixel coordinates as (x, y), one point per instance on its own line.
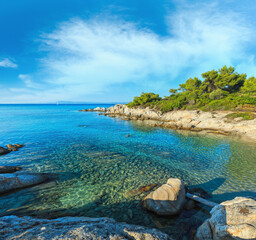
(235, 219)
(168, 199)
(19, 145)
(10, 148)
(97, 109)
(26, 228)
(4, 151)
(9, 169)
(11, 181)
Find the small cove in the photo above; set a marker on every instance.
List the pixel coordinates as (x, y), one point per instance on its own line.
(93, 165)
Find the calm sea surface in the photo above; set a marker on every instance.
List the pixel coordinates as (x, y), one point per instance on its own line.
(93, 165)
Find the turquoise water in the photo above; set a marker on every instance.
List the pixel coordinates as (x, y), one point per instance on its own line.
(94, 165)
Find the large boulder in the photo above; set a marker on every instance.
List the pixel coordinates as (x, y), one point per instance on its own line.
(235, 219)
(9, 169)
(26, 228)
(4, 151)
(168, 199)
(11, 181)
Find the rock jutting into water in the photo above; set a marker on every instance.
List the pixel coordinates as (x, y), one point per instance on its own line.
(14, 147)
(10, 148)
(199, 192)
(97, 109)
(4, 151)
(11, 181)
(193, 120)
(235, 219)
(168, 199)
(9, 169)
(26, 228)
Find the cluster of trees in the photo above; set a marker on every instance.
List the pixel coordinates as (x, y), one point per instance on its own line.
(219, 90)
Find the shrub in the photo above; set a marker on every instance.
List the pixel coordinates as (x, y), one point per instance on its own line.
(244, 115)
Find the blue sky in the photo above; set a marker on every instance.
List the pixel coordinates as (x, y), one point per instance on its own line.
(110, 51)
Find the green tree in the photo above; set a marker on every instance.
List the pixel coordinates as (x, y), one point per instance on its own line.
(229, 80)
(210, 78)
(173, 91)
(144, 98)
(249, 85)
(191, 84)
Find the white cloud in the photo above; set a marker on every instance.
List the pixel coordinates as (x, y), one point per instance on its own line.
(89, 57)
(7, 63)
(29, 83)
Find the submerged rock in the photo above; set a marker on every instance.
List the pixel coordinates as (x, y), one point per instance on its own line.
(167, 199)
(11, 181)
(140, 190)
(4, 151)
(200, 192)
(9, 169)
(189, 204)
(235, 219)
(12, 227)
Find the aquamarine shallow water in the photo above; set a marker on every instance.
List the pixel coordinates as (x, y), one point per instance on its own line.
(94, 165)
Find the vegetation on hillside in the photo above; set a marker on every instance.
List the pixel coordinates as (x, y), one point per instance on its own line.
(224, 89)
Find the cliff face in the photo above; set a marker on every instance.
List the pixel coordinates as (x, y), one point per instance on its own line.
(215, 122)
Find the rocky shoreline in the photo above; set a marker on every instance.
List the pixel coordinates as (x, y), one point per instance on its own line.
(26, 228)
(234, 219)
(194, 120)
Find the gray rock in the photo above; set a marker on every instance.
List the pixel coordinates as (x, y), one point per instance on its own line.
(189, 204)
(4, 151)
(26, 228)
(9, 169)
(235, 219)
(11, 181)
(167, 199)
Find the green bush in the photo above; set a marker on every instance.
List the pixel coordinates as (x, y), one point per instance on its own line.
(244, 115)
(143, 99)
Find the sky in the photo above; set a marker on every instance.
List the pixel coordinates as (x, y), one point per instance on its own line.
(103, 51)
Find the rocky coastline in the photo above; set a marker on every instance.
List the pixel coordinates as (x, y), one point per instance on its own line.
(194, 120)
(234, 219)
(26, 228)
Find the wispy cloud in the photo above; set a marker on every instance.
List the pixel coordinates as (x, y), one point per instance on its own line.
(7, 63)
(29, 83)
(90, 57)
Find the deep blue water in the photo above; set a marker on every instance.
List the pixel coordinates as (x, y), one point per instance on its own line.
(94, 165)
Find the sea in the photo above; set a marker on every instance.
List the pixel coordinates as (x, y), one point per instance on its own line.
(93, 166)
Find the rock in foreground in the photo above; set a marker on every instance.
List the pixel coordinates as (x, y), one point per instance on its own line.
(11, 181)
(25, 228)
(235, 219)
(167, 199)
